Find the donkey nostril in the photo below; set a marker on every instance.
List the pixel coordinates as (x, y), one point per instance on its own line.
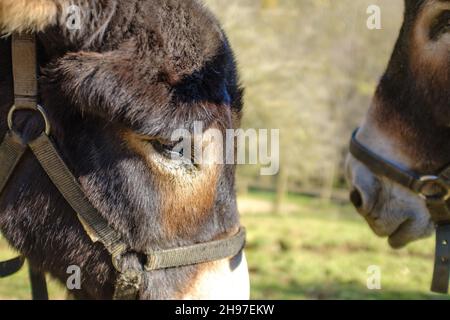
(356, 198)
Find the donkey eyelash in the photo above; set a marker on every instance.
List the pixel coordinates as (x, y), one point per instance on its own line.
(166, 149)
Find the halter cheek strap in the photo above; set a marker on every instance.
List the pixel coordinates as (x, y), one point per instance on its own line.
(433, 189)
(129, 282)
(23, 52)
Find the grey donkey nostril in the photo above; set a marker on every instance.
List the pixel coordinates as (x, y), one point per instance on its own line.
(356, 198)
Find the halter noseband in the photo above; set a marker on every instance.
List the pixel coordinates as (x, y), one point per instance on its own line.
(433, 189)
(129, 282)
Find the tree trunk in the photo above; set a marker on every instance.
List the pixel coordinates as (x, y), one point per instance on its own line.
(281, 190)
(328, 187)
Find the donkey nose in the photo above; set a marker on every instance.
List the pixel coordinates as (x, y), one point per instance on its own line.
(364, 194)
(356, 198)
(364, 186)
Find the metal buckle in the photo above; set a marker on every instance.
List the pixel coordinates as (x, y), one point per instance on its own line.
(431, 181)
(35, 108)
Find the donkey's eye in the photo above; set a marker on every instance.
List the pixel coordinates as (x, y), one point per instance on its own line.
(173, 155)
(441, 25)
(169, 149)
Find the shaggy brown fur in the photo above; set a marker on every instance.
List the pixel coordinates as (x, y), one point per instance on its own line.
(144, 67)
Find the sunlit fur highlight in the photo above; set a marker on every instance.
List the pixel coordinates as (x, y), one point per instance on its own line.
(27, 15)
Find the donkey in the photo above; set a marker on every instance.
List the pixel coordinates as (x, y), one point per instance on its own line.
(115, 85)
(407, 124)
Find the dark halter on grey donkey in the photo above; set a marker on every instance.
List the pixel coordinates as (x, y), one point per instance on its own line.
(13, 147)
(438, 203)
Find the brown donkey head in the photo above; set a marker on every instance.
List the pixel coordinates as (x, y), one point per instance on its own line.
(116, 84)
(408, 123)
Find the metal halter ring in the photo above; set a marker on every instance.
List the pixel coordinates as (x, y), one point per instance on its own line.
(36, 108)
(434, 181)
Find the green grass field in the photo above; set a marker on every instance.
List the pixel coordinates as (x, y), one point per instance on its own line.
(315, 251)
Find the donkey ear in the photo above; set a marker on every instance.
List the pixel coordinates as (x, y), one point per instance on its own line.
(26, 15)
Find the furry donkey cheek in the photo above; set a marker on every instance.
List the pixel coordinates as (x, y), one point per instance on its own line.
(27, 15)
